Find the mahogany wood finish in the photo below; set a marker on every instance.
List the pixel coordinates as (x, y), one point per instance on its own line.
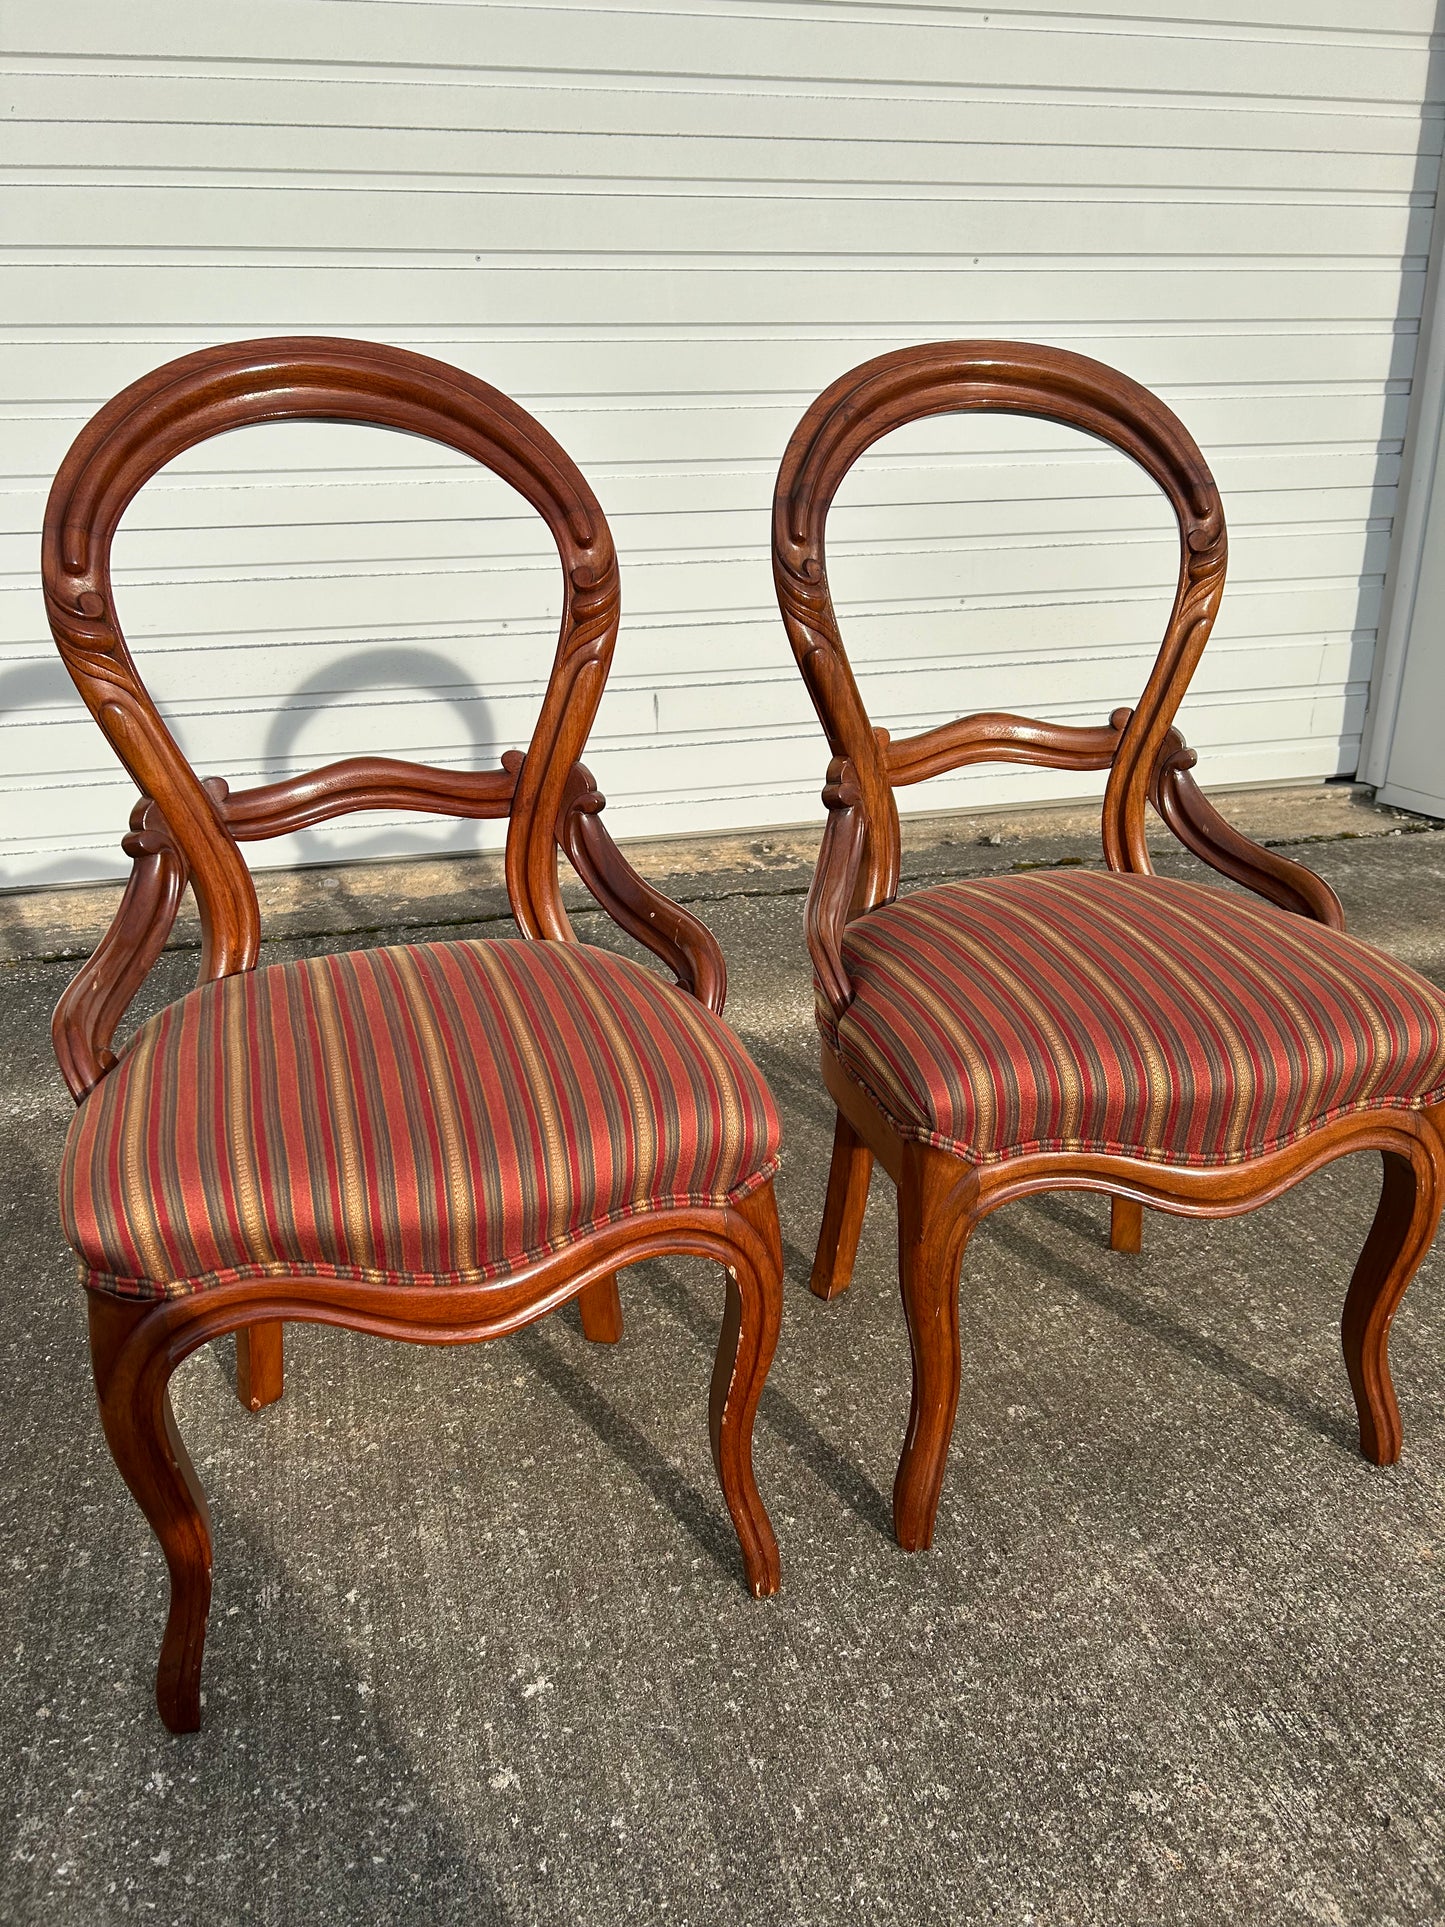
(1126, 1225)
(188, 831)
(846, 1201)
(601, 1307)
(942, 1198)
(260, 1365)
(136, 1347)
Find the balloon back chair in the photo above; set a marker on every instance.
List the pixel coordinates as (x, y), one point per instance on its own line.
(1169, 1043)
(439, 1141)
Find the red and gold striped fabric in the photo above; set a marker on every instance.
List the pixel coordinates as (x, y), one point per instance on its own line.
(431, 1114)
(1066, 1010)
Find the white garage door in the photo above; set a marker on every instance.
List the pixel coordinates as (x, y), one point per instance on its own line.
(664, 231)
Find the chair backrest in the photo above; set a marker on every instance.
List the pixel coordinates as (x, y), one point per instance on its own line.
(197, 824)
(961, 376)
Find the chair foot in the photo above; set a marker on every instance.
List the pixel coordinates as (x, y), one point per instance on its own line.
(260, 1364)
(752, 1316)
(932, 1233)
(132, 1368)
(1405, 1222)
(1126, 1225)
(843, 1209)
(600, 1304)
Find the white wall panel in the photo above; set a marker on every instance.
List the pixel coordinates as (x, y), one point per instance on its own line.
(664, 229)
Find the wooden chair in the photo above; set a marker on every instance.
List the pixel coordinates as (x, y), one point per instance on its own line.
(439, 1142)
(1171, 1044)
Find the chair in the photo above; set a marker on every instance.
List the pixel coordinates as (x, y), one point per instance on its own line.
(438, 1142)
(1168, 1043)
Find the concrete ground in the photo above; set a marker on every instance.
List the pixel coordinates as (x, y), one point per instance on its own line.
(480, 1648)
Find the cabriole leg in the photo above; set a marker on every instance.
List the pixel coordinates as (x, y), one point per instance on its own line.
(932, 1232)
(1126, 1225)
(132, 1367)
(260, 1364)
(843, 1210)
(600, 1304)
(1405, 1222)
(751, 1319)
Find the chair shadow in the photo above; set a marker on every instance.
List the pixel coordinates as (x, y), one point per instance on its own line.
(794, 1078)
(378, 668)
(46, 685)
(797, 1264)
(705, 1523)
(806, 1106)
(776, 1410)
(277, 1694)
(1326, 1422)
(381, 668)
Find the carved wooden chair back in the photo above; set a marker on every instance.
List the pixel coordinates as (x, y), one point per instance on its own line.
(859, 866)
(189, 830)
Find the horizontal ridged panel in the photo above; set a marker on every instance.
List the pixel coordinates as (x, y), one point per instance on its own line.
(642, 224)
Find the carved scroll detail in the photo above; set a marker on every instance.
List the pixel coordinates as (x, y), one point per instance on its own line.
(187, 830)
(858, 864)
(687, 947)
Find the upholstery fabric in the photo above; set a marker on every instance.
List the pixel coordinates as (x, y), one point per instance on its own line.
(427, 1114)
(1067, 1010)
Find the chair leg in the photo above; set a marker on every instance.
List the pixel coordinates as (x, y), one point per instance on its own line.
(1126, 1225)
(932, 1234)
(1405, 1223)
(260, 1364)
(131, 1374)
(752, 1316)
(843, 1209)
(600, 1304)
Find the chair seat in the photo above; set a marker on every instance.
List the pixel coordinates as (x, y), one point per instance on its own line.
(430, 1114)
(1066, 1010)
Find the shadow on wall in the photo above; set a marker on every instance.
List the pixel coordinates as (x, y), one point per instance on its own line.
(46, 685)
(403, 674)
(407, 675)
(309, 546)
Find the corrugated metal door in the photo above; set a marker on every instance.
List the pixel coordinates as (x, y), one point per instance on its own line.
(664, 231)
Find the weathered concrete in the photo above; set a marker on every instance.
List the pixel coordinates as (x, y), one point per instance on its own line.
(480, 1649)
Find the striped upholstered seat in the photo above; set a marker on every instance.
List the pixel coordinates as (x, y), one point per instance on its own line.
(1064, 1010)
(428, 1114)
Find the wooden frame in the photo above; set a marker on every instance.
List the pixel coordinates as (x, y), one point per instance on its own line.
(186, 831)
(941, 1198)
